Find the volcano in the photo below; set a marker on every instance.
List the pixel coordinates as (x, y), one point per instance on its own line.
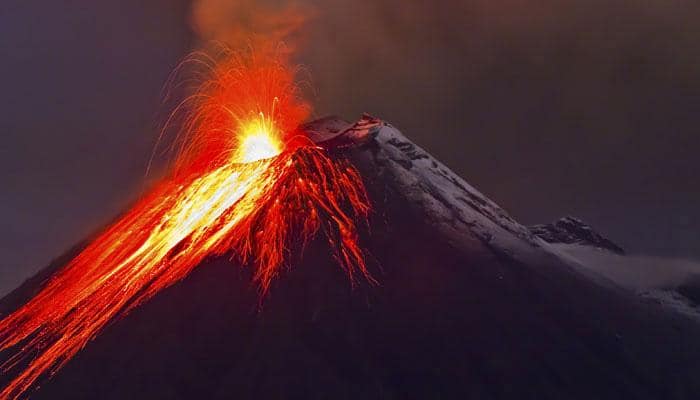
(464, 302)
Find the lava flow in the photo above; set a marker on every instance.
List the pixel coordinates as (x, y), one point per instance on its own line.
(246, 182)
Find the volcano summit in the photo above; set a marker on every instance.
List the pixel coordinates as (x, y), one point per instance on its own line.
(458, 301)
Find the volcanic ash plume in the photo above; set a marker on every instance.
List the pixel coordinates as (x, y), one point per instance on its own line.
(250, 22)
(245, 182)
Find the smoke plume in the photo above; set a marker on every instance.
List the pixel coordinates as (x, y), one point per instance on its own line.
(257, 24)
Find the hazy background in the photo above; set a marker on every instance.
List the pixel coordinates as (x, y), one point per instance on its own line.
(584, 107)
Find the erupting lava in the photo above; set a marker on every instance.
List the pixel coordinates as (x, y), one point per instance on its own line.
(245, 182)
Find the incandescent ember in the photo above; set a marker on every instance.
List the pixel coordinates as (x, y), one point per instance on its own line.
(246, 181)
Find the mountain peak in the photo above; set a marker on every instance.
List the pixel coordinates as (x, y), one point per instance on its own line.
(469, 304)
(571, 230)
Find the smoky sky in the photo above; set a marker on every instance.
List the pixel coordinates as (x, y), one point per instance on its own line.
(585, 108)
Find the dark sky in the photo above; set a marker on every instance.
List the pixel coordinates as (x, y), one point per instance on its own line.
(551, 108)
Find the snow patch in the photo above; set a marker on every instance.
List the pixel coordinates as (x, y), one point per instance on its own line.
(667, 281)
(455, 207)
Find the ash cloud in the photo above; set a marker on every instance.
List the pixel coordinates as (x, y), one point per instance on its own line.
(243, 23)
(551, 108)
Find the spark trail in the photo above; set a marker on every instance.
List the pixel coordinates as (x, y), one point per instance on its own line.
(245, 182)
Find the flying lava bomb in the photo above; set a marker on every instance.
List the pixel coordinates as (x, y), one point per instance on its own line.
(282, 258)
(246, 181)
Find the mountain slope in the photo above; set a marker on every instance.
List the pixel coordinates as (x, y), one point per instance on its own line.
(470, 304)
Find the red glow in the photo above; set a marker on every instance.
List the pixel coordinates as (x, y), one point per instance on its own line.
(236, 187)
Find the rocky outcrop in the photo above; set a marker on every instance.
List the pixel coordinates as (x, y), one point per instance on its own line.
(570, 230)
(469, 304)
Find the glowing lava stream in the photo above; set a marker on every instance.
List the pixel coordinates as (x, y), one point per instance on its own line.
(239, 186)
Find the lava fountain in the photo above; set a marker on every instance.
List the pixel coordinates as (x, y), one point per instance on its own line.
(245, 182)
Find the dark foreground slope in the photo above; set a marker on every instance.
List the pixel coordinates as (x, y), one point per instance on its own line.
(470, 305)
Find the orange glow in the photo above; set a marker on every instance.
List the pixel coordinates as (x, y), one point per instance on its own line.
(236, 188)
(258, 140)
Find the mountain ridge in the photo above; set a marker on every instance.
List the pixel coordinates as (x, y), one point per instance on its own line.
(470, 304)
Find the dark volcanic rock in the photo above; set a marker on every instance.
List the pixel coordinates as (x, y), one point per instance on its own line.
(570, 230)
(691, 291)
(468, 305)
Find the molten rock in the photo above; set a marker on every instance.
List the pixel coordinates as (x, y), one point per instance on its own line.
(468, 304)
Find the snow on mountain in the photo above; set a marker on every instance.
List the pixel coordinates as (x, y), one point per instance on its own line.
(469, 304)
(570, 230)
(671, 282)
(444, 199)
